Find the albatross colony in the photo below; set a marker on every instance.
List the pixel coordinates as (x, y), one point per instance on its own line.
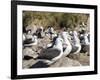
(39, 52)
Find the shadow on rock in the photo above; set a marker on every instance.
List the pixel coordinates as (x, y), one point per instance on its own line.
(27, 58)
(40, 64)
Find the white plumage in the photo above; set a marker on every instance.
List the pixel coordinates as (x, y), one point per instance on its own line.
(86, 40)
(31, 40)
(24, 38)
(76, 43)
(66, 43)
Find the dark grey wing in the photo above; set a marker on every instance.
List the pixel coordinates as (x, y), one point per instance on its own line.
(74, 49)
(49, 53)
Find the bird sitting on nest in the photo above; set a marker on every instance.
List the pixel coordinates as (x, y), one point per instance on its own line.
(84, 37)
(76, 46)
(66, 43)
(30, 40)
(52, 54)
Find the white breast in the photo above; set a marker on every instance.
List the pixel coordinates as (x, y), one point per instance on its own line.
(66, 42)
(58, 44)
(24, 38)
(86, 39)
(75, 38)
(34, 39)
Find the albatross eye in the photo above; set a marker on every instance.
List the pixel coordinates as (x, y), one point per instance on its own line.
(61, 40)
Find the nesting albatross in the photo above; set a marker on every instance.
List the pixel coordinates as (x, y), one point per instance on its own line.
(51, 55)
(66, 43)
(84, 42)
(76, 46)
(30, 40)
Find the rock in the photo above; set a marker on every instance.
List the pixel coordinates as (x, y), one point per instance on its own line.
(63, 62)
(43, 42)
(29, 52)
(28, 63)
(83, 58)
(66, 62)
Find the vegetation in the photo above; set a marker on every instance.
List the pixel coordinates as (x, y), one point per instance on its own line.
(54, 19)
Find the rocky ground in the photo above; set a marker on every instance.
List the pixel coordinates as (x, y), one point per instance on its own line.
(30, 53)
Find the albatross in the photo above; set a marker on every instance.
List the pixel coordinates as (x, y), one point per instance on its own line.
(52, 54)
(84, 42)
(66, 43)
(30, 40)
(76, 46)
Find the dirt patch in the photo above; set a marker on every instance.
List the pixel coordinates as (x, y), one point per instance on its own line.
(83, 58)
